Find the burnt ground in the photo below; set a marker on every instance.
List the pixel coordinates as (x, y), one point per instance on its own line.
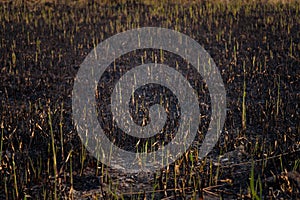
(42, 47)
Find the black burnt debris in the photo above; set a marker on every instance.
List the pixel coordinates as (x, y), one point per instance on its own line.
(255, 46)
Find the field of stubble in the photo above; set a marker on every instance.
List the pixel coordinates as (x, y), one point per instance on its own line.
(255, 47)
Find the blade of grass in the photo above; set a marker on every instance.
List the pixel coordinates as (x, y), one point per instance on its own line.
(54, 152)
